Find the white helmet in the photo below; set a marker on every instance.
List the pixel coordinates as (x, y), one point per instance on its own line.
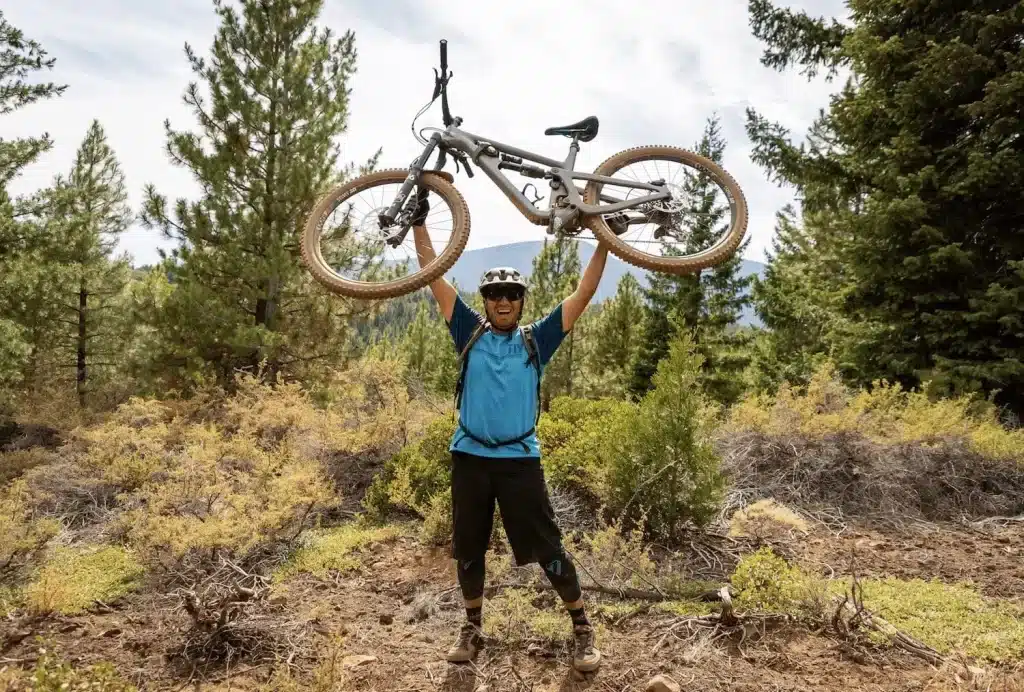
(502, 276)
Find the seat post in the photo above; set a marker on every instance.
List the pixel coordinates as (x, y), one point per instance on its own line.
(574, 147)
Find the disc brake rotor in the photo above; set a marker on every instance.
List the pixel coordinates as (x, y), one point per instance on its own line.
(675, 203)
(370, 225)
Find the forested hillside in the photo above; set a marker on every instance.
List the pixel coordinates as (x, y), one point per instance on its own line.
(215, 473)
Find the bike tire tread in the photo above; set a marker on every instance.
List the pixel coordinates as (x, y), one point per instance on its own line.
(313, 258)
(684, 264)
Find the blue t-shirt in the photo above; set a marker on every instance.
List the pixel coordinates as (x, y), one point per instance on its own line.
(499, 396)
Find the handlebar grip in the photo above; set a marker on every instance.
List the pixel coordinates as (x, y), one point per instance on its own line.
(444, 56)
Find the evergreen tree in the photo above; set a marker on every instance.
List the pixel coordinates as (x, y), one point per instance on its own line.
(617, 336)
(709, 303)
(793, 306)
(264, 151)
(20, 61)
(91, 212)
(916, 176)
(659, 460)
(555, 275)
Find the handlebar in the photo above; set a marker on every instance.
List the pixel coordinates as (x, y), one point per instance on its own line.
(442, 84)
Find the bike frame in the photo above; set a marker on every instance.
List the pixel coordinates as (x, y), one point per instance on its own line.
(487, 154)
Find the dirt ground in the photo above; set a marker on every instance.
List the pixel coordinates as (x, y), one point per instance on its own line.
(991, 558)
(386, 626)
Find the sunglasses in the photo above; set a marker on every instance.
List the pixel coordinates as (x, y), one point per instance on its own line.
(496, 293)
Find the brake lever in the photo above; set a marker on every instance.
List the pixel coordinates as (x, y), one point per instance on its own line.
(465, 162)
(437, 86)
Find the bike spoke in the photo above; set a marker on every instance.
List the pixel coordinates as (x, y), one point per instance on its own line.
(354, 245)
(672, 227)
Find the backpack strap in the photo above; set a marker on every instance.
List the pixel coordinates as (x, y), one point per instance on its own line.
(533, 357)
(464, 359)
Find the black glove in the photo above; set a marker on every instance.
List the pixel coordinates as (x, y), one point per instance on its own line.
(419, 217)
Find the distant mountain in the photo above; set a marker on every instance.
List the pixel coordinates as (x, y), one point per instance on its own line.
(473, 263)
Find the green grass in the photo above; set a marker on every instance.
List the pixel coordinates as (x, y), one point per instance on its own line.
(71, 580)
(512, 616)
(332, 550)
(948, 617)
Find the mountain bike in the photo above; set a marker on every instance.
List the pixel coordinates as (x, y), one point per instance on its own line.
(374, 211)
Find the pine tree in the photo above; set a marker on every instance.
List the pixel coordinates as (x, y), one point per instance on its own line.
(916, 175)
(792, 301)
(91, 212)
(20, 60)
(711, 302)
(617, 335)
(555, 275)
(264, 151)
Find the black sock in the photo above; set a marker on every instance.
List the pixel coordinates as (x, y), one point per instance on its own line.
(579, 617)
(475, 615)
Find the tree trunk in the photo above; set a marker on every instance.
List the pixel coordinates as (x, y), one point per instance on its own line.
(83, 297)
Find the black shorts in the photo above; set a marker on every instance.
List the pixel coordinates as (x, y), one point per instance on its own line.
(522, 497)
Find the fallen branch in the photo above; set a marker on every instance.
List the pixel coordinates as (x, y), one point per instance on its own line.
(900, 639)
(852, 605)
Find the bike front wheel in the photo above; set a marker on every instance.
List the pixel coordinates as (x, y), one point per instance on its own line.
(346, 250)
(700, 226)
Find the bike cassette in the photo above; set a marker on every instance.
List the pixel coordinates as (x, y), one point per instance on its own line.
(675, 203)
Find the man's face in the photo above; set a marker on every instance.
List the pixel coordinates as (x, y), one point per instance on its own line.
(504, 305)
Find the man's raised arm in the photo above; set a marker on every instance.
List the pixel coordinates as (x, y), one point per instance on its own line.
(444, 292)
(574, 305)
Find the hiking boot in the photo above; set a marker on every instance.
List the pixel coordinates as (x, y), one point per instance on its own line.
(587, 658)
(465, 647)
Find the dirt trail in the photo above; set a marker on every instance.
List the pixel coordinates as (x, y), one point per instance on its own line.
(388, 623)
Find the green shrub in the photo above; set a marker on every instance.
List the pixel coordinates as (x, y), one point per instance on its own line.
(412, 478)
(659, 460)
(764, 581)
(570, 436)
(949, 617)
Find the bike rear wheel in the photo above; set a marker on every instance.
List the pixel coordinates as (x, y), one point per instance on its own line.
(357, 243)
(661, 252)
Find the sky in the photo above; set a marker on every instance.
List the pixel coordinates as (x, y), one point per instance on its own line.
(652, 71)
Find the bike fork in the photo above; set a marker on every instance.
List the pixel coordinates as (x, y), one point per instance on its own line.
(391, 215)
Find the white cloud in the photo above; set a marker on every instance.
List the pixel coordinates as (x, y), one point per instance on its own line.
(652, 72)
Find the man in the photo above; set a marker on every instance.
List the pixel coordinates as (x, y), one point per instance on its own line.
(495, 451)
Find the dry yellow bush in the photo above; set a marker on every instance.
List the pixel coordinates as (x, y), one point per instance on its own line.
(129, 446)
(226, 493)
(14, 464)
(885, 413)
(766, 519)
(21, 532)
(615, 556)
